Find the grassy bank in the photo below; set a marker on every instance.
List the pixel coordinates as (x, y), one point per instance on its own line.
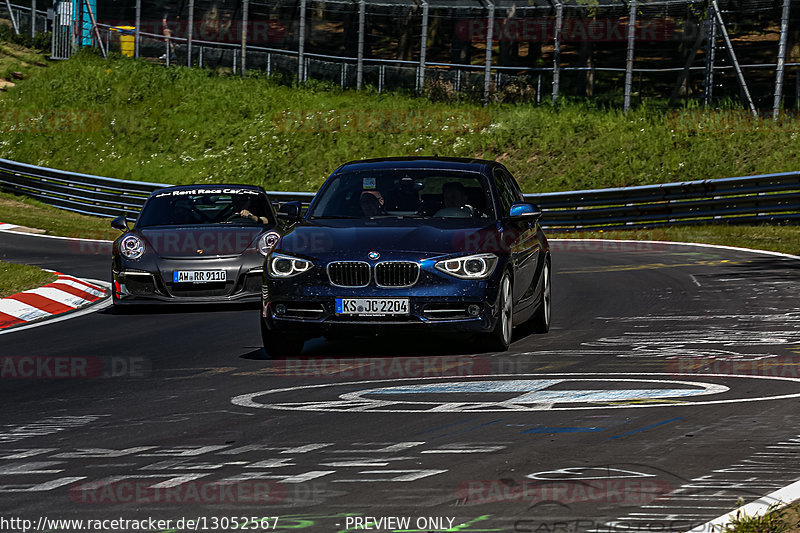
(33, 214)
(17, 278)
(135, 120)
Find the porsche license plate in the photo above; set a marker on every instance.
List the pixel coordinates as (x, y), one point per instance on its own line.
(372, 306)
(197, 276)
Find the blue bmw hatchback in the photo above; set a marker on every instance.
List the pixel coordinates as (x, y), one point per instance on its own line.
(439, 243)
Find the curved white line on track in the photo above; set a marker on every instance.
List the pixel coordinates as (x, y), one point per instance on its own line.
(248, 400)
(41, 235)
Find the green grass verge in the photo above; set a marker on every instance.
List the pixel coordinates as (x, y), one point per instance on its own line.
(786, 520)
(34, 214)
(16, 278)
(133, 119)
(775, 238)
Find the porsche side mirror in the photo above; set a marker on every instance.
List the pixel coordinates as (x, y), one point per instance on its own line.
(120, 223)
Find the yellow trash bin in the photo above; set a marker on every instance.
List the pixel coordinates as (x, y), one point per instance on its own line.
(126, 39)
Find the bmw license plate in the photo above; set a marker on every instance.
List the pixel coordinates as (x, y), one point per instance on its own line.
(197, 276)
(372, 306)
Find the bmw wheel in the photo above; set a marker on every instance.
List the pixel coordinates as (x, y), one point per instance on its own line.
(540, 321)
(279, 344)
(500, 338)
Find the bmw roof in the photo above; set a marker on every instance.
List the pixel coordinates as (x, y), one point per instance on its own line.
(426, 162)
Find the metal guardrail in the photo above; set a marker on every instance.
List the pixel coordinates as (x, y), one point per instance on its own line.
(750, 199)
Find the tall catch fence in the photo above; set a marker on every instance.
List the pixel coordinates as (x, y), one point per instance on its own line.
(613, 52)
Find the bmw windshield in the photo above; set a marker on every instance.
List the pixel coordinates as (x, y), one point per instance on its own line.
(193, 207)
(404, 194)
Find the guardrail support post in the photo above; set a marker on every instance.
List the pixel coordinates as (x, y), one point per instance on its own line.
(245, 21)
(136, 32)
(781, 60)
(423, 47)
(626, 106)
(732, 55)
(190, 34)
(557, 50)
(487, 69)
(362, 8)
(301, 43)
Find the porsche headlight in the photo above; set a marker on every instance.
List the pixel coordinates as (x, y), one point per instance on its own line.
(286, 266)
(131, 247)
(478, 266)
(267, 242)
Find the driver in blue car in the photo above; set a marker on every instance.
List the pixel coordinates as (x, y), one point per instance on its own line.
(455, 198)
(372, 203)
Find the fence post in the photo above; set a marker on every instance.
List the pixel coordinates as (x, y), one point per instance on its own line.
(423, 46)
(137, 23)
(301, 44)
(190, 34)
(781, 60)
(94, 27)
(557, 50)
(33, 19)
(487, 69)
(711, 54)
(11, 16)
(732, 55)
(245, 20)
(362, 8)
(626, 106)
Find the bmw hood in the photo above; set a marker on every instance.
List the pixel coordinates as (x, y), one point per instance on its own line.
(361, 237)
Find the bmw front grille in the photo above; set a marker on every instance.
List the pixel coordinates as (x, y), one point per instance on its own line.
(349, 273)
(396, 273)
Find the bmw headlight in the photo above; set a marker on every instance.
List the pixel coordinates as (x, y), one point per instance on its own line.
(267, 242)
(286, 266)
(131, 247)
(478, 266)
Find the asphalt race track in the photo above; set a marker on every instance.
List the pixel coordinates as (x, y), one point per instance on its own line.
(668, 389)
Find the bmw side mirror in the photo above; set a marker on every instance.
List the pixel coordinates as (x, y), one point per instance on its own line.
(524, 210)
(120, 223)
(290, 211)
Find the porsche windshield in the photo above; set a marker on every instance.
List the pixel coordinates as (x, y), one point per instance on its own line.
(404, 193)
(202, 207)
